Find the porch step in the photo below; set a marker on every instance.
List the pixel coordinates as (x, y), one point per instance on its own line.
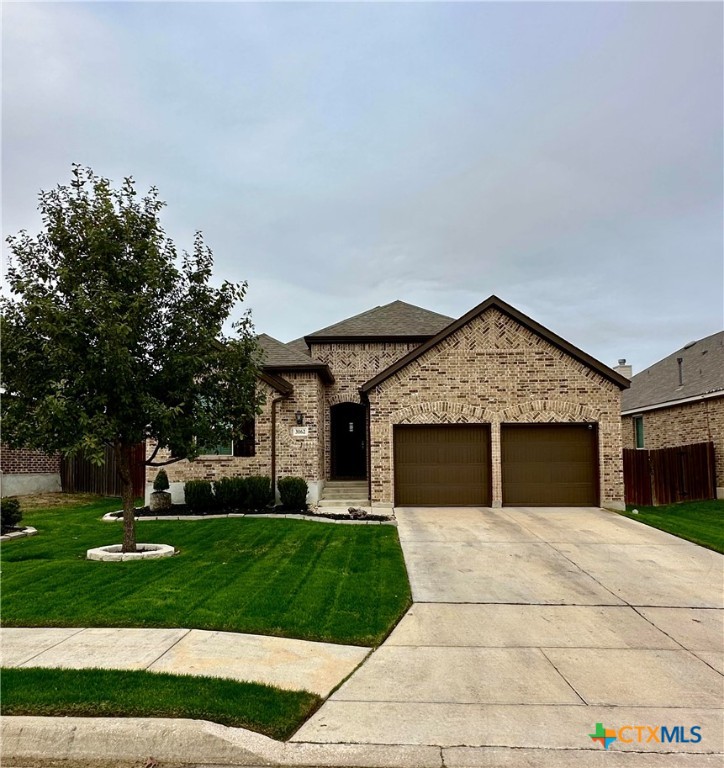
(343, 503)
(339, 493)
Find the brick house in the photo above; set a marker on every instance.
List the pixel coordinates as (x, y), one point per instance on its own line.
(402, 406)
(679, 401)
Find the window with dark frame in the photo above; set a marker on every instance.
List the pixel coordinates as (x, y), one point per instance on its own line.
(638, 422)
(246, 445)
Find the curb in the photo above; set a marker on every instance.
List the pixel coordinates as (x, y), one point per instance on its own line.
(114, 741)
(27, 531)
(189, 742)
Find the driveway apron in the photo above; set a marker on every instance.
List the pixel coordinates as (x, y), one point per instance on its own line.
(530, 626)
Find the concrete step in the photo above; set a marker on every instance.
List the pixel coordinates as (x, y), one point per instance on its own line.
(343, 493)
(344, 503)
(345, 484)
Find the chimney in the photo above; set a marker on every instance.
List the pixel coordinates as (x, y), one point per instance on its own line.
(623, 369)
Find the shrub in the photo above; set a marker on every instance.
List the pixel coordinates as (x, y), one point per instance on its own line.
(199, 495)
(258, 490)
(10, 514)
(293, 492)
(161, 481)
(230, 492)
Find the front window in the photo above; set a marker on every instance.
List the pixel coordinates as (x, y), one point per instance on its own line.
(639, 431)
(244, 445)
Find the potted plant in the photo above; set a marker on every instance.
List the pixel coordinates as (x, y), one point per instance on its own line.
(160, 498)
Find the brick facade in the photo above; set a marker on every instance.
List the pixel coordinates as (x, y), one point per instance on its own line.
(494, 370)
(697, 422)
(352, 365)
(20, 461)
(294, 456)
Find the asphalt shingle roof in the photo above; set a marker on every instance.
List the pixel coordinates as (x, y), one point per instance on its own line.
(299, 345)
(397, 319)
(279, 357)
(702, 368)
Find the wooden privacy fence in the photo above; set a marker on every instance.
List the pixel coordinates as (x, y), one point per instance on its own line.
(78, 475)
(668, 475)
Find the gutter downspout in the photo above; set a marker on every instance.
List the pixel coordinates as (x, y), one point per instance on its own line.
(274, 444)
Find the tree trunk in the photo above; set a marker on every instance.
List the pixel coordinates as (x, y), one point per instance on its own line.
(124, 453)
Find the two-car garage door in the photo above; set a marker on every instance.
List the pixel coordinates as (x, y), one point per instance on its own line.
(541, 465)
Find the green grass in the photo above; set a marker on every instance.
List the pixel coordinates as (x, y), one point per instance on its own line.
(315, 581)
(699, 521)
(116, 693)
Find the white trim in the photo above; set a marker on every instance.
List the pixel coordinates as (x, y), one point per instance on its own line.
(672, 403)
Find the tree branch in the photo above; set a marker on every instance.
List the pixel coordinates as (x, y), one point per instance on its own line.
(150, 463)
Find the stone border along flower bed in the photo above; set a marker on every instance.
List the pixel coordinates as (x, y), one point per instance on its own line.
(19, 533)
(183, 514)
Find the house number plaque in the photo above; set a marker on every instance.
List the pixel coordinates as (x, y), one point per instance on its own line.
(300, 431)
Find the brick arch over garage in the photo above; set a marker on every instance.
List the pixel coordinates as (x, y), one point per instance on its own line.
(541, 411)
(442, 412)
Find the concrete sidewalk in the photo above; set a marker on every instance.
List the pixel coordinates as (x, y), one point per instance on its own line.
(277, 661)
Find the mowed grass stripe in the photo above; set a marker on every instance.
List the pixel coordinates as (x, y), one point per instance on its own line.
(316, 581)
(118, 693)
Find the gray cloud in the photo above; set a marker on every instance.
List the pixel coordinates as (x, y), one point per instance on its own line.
(567, 157)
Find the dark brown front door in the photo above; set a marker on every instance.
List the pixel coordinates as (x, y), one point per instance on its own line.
(349, 432)
(445, 465)
(549, 465)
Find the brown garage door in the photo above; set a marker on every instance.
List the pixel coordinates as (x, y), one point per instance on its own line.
(549, 465)
(442, 465)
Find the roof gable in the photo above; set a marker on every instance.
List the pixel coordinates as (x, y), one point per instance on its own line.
(524, 320)
(278, 357)
(702, 373)
(396, 320)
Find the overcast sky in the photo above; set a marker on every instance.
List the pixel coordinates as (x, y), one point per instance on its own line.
(566, 157)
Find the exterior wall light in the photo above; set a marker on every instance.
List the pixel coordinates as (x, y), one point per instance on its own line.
(300, 418)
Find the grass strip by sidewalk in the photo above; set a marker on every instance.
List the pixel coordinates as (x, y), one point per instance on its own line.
(699, 521)
(119, 693)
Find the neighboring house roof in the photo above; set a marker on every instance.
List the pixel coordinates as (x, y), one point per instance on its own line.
(524, 320)
(702, 374)
(394, 321)
(279, 357)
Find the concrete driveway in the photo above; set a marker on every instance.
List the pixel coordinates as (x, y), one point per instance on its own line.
(532, 625)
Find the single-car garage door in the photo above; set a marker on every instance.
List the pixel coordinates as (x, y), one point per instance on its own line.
(442, 465)
(549, 465)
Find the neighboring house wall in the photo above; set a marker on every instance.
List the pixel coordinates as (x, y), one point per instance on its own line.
(352, 365)
(495, 371)
(23, 472)
(294, 456)
(697, 422)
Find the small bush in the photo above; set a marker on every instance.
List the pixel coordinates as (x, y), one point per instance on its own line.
(10, 514)
(230, 492)
(293, 492)
(161, 481)
(199, 495)
(258, 490)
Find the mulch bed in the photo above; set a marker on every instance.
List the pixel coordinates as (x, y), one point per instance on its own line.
(182, 510)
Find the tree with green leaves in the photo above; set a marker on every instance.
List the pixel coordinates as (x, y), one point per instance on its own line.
(110, 338)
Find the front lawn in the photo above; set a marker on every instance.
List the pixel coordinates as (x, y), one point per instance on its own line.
(308, 580)
(118, 693)
(699, 521)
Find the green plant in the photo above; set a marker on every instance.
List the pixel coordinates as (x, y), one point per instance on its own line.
(161, 481)
(293, 492)
(10, 513)
(258, 489)
(103, 268)
(199, 495)
(230, 492)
